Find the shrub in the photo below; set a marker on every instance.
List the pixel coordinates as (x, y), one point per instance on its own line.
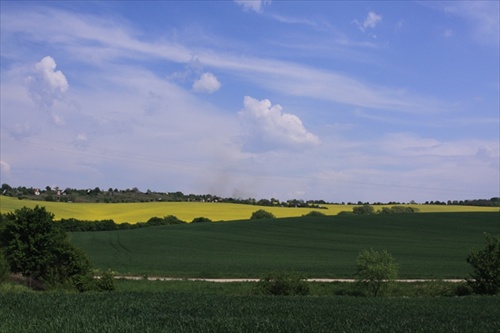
(398, 210)
(282, 285)
(363, 210)
(314, 213)
(201, 219)
(485, 278)
(262, 214)
(107, 281)
(4, 268)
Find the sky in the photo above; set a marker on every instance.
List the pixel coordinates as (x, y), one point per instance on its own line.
(315, 100)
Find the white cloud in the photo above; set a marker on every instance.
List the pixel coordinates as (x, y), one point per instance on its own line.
(4, 166)
(255, 5)
(267, 127)
(207, 83)
(372, 20)
(46, 84)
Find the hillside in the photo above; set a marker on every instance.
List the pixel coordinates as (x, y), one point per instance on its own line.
(432, 245)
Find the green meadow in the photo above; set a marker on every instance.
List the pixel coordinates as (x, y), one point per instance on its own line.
(430, 245)
(187, 211)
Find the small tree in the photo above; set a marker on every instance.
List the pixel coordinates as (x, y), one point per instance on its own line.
(376, 270)
(485, 278)
(262, 214)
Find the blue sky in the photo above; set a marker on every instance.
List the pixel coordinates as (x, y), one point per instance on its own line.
(341, 101)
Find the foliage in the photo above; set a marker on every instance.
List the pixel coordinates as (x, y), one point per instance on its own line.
(107, 281)
(376, 269)
(398, 210)
(363, 210)
(282, 285)
(262, 214)
(37, 248)
(485, 278)
(201, 219)
(4, 268)
(313, 213)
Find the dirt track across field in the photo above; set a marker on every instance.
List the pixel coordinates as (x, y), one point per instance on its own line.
(163, 278)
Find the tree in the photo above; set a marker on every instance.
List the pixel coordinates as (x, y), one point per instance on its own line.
(261, 214)
(37, 247)
(485, 278)
(376, 269)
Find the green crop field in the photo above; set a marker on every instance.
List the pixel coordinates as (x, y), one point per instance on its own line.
(187, 211)
(431, 245)
(180, 312)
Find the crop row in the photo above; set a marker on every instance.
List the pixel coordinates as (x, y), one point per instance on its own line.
(182, 312)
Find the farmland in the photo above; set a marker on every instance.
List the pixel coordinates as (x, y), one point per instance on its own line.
(425, 245)
(186, 211)
(187, 312)
(431, 245)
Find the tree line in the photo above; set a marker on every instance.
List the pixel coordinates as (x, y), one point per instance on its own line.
(114, 195)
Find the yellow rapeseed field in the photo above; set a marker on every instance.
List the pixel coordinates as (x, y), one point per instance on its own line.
(187, 211)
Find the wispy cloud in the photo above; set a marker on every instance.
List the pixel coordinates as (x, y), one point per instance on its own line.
(255, 5)
(482, 16)
(286, 77)
(371, 21)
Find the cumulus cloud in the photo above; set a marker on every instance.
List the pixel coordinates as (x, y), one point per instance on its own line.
(46, 84)
(255, 5)
(207, 83)
(267, 127)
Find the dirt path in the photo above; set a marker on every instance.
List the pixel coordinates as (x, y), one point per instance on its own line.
(222, 280)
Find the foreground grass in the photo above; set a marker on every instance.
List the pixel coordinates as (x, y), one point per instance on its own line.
(432, 245)
(195, 312)
(187, 211)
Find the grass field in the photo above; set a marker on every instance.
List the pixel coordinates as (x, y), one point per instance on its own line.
(180, 312)
(432, 245)
(187, 211)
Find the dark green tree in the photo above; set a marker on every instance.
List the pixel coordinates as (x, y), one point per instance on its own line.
(485, 278)
(37, 247)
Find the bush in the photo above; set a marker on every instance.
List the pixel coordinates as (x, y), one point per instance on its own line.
(314, 213)
(282, 285)
(376, 270)
(262, 214)
(485, 278)
(398, 210)
(4, 268)
(107, 281)
(201, 219)
(363, 210)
